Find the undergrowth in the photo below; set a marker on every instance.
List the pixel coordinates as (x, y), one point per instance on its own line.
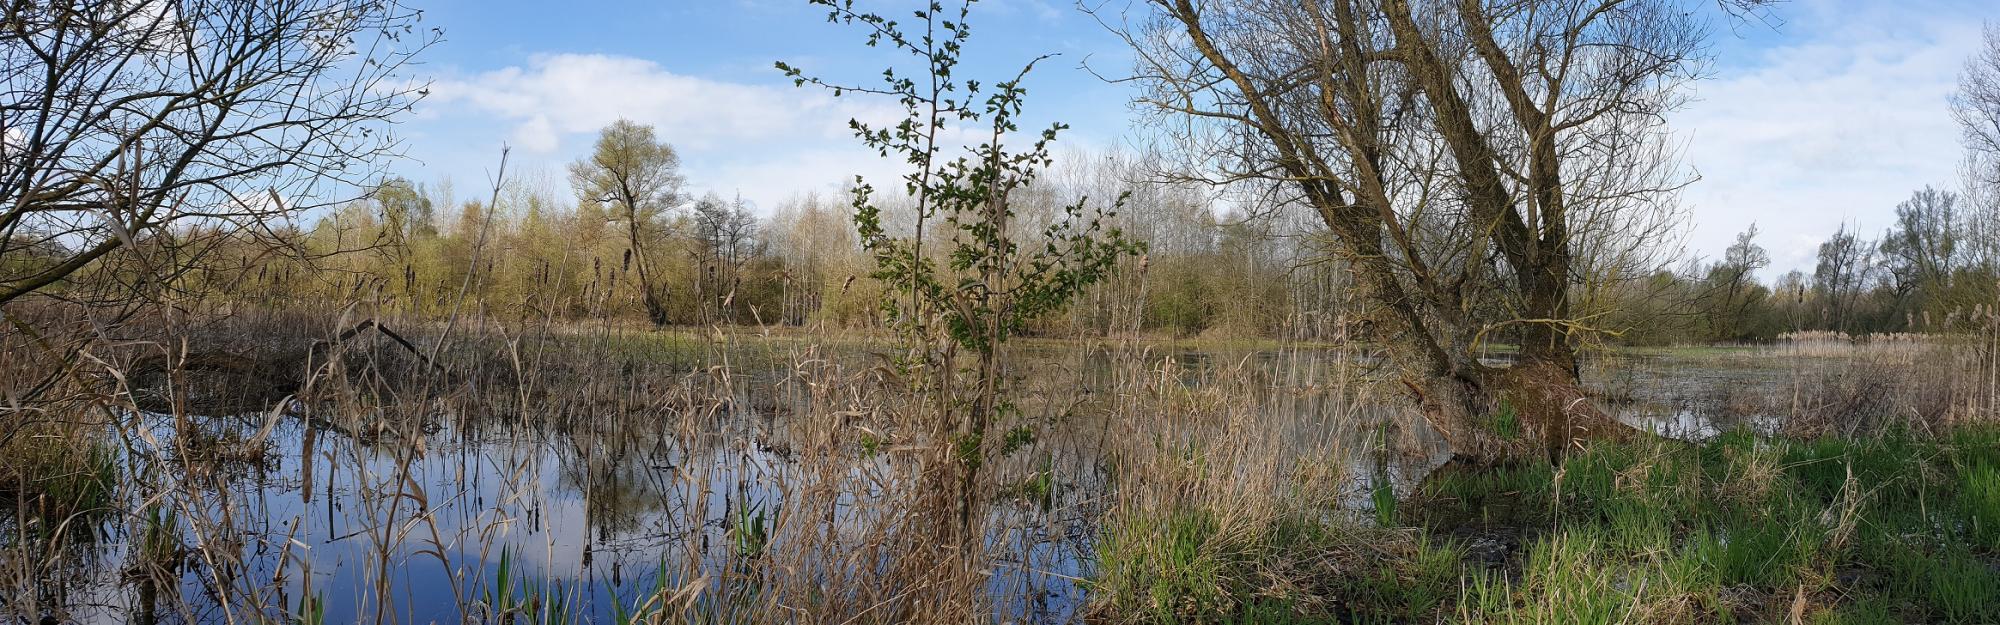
(1741, 529)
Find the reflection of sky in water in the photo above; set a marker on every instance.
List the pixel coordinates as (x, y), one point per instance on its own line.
(553, 512)
(1688, 398)
(586, 527)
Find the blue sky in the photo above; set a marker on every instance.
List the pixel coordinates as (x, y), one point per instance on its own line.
(702, 73)
(1830, 115)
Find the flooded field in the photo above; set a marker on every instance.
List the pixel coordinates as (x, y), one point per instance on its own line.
(719, 486)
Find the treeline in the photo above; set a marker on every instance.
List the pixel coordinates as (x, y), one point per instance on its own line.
(624, 238)
(1934, 270)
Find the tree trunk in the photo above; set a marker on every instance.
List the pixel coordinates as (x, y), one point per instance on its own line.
(1535, 410)
(655, 311)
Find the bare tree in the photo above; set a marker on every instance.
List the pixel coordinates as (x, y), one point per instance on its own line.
(1839, 276)
(639, 177)
(724, 239)
(1976, 106)
(120, 118)
(1465, 155)
(1921, 253)
(1733, 291)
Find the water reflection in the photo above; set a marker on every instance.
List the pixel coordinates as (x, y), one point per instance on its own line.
(601, 508)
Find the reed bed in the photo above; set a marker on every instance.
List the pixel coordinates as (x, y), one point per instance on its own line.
(284, 466)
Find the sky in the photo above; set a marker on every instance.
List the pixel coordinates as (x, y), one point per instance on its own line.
(1828, 112)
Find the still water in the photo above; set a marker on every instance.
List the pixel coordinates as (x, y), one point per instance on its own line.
(297, 514)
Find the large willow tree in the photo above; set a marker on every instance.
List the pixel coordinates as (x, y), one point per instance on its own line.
(1482, 165)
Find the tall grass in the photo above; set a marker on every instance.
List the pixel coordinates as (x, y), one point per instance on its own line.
(1741, 529)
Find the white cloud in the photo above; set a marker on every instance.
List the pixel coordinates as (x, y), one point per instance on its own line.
(1835, 126)
(767, 141)
(768, 179)
(558, 97)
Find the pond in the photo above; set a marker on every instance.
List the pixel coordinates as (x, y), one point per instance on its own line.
(416, 507)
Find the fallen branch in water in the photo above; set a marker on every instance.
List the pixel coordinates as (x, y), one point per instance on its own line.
(385, 331)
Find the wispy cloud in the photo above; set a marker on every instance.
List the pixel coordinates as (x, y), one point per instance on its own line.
(1834, 126)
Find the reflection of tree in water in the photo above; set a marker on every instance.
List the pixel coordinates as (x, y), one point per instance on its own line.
(623, 481)
(69, 570)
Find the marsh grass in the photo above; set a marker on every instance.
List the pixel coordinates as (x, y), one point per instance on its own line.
(56, 478)
(765, 480)
(1739, 529)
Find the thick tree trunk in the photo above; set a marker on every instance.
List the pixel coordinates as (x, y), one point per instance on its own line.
(1533, 411)
(655, 311)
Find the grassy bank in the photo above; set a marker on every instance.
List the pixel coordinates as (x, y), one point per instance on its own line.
(1894, 529)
